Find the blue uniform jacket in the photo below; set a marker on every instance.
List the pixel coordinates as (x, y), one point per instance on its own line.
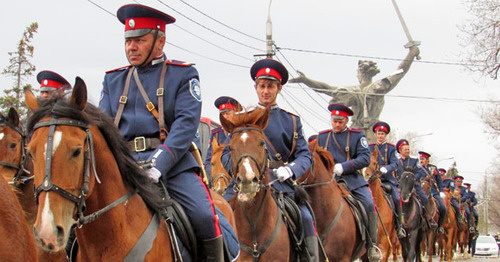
(182, 108)
(387, 158)
(218, 135)
(472, 197)
(410, 163)
(358, 152)
(436, 181)
(449, 183)
(279, 132)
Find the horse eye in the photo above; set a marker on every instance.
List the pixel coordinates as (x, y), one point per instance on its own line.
(77, 152)
(262, 143)
(12, 145)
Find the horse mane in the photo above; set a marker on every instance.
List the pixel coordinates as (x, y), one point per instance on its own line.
(248, 118)
(131, 173)
(324, 155)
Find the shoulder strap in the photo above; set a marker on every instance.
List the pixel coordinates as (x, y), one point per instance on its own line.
(123, 98)
(345, 151)
(295, 136)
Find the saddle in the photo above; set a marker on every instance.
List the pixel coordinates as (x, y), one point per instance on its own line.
(387, 189)
(292, 218)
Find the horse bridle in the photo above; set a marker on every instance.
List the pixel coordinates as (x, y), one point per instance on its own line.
(312, 174)
(89, 157)
(18, 178)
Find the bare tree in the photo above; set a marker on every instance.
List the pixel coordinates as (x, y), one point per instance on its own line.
(19, 68)
(481, 37)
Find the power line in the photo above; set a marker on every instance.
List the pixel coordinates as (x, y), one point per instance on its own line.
(211, 30)
(221, 23)
(209, 58)
(408, 96)
(102, 8)
(369, 57)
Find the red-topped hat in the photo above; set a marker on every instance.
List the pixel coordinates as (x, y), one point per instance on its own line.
(382, 126)
(51, 81)
(467, 184)
(442, 171)
(140, 19)
(458, 178)
(269, 69)
(339, 111)
(225, 103)
(424, 154)
(401, 143)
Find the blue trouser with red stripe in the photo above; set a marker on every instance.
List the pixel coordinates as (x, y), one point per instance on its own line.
(188, 189)
(364, 195)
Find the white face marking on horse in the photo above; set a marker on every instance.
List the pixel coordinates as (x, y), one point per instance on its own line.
(55, 143)
(2, 135)
(47, 217)
(248, 169)
(244, 137)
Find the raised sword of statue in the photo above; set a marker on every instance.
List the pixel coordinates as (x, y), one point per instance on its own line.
(411, 42)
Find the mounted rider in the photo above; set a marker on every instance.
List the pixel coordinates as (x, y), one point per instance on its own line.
(432, 175)
(388, 162)
(473, 203)
(289, 153)
(350, 152)
(450, 184)
(52, 84)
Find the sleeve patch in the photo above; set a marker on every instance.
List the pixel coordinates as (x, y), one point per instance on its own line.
(195, 89)
(364, 143)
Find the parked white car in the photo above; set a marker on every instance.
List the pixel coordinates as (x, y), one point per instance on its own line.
(486, 246)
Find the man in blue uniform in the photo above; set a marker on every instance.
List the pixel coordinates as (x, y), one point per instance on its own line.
(350, 152)
(450, 184)
(471, 199)
(388, 163)
(290, 157)
(227, 107)
(405, 161)
(157, 104)
(431, 174)
(52, 84)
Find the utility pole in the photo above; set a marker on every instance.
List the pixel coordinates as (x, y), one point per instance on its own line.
(486, 200)
(269, 34)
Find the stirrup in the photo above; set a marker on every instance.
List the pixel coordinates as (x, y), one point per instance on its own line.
(440, 230)
(401, 233)
(432, 224)
(378, 252)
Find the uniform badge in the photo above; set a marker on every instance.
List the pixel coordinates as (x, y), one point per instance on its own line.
(195, 89)
(364, 143)
(452, 184)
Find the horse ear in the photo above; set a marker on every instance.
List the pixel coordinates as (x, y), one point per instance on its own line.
(13, 117)
(226, 124)
(261, 121)
(31, 100)
(79, 95)
(375, 151)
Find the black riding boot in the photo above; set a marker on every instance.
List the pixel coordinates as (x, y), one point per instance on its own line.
(440, 223)
(312, 251)
(212, 250)
(373, 250)
(399, 225)
(432, 224)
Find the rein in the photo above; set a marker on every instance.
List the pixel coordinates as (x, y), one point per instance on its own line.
(19, 178)
(89, 157)
(311, 171)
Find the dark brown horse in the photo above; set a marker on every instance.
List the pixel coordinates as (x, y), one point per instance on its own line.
(220, 177)
(463, 232)
(16, 241)
(262, 233)
(429, 241)
(85, 174)
(335, 223)
(14, 167)
(387, 237)
(413, 221)
(447, 241)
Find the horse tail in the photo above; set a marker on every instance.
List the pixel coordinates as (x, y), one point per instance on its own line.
(301, 196)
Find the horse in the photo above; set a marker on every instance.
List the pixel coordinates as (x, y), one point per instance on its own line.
(220, 177)
(429, 240)
(463, 232)
(84, 174)
(413, 221)
(14, 167)
(447, 241)
(17, 242)
(335, 222)
(261, 230)
(387, 236)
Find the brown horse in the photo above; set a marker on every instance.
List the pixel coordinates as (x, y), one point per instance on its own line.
(447, 241)
(16, 243)
(220, 177)
(387, 237)
(335, 223)
(429, 241)
(14, 167)
(463, 232)
(84, 174)
(262, 233)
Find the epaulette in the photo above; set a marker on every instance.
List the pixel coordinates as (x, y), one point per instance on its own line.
(217, 130)
(324, 131)
(391, 144)
(355, 130)
(290, 113)
(118, 69)
(178, 63)
(371, 144)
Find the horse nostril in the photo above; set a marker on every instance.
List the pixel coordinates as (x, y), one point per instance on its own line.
(60, 234)
(255, 180)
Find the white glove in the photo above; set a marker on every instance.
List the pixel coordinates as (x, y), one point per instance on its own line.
(442, 194)
(338, 169)
(383, 170)
(283, 173)
(154, 174)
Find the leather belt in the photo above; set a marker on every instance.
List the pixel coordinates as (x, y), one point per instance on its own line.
(141, 143)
